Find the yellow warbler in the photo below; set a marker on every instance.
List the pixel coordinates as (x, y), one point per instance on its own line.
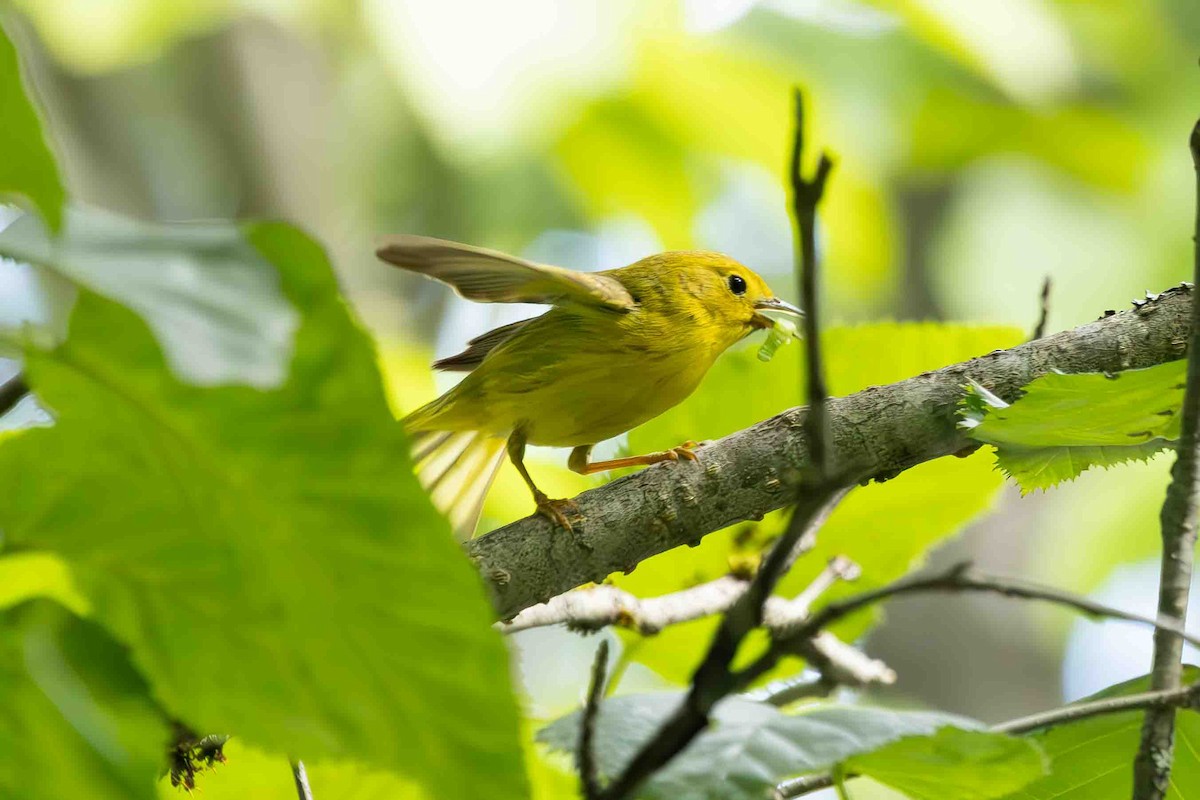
(618, 348)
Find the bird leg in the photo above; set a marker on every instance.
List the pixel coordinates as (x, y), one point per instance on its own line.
(553, 510)
(578, 461)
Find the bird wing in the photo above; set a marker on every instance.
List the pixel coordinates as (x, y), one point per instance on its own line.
(479, 347)
(488, 276)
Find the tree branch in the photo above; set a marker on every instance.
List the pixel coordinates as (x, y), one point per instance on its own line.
(1152, 766)
(880, 431)
(11, 392)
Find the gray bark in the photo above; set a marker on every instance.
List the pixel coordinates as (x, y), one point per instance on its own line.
(885, 429)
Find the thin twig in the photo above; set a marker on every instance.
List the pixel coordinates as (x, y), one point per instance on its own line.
(585, 757)
(1044, 312)
(714, 678)
(300, 775)
(11, 392)
(960, 578)
(1152, 766)
(806, 196)
(1185, 697)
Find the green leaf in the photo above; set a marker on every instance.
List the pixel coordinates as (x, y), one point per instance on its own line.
(1065, 424)
(953, 763)
(25, 576)
(268, 556)
(76, 719)
(1093, 759)
(212, 300)
(752, 746)
(922, 506)
(27, 167)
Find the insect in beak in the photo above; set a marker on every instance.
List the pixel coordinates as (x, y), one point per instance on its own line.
(773, 304)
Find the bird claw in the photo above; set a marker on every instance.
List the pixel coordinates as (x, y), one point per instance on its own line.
(557, 510)
(684, 451)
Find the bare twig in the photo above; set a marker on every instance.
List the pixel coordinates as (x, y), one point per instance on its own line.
(1044, 312)
(1152, 766)
(585, 758)
(300, 775)
(596, 608)
(714, 678)
(1185, 697)
(11, 392)
(960, 578)
(806, 196)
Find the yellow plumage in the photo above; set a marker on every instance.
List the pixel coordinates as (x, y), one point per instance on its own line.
(617, 349)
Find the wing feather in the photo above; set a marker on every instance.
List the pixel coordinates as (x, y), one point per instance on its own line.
(489, 276)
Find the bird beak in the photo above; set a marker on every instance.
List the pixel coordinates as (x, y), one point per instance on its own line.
(774, 304)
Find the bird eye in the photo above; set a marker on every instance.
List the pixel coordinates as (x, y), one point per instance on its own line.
(737, 284)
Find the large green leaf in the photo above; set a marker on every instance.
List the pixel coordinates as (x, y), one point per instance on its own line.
(212, 300)
(76, 719)
(27, 168)
(1093, 759)
(921, 507)
(1065, 424)
(953, 763)
(752, 746)
(269, 557)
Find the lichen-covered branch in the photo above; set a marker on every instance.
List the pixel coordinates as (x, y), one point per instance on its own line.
(601, 606)
(881, 430)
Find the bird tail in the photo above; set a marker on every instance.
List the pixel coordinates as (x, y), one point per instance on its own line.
(457, 469)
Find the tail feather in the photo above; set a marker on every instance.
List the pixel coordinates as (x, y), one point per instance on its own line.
(457, 469)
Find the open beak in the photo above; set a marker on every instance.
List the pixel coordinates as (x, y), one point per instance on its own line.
(773, 305)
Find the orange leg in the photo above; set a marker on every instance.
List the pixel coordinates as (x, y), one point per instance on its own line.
(578, 462)
(553, 510)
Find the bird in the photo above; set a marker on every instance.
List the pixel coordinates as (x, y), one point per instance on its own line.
(615, 349)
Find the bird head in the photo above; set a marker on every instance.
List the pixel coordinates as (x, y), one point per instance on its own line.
(708, 288)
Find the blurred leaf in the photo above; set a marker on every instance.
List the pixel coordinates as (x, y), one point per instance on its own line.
(27, 167)
(94, 39)
(752, 746)
(211, 299)
(1093, 759)
(1065, 424)
(1093, 145)
(25, 576)
(623, 162)
(269, 556)
(919, 508)
(76, 719)
(953, 763)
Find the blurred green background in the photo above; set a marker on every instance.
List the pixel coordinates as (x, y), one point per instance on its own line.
(981, 147)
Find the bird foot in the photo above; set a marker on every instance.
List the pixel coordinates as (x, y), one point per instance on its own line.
(683, 451)
(557, 511)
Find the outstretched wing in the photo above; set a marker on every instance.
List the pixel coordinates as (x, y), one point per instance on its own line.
(489, 276)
